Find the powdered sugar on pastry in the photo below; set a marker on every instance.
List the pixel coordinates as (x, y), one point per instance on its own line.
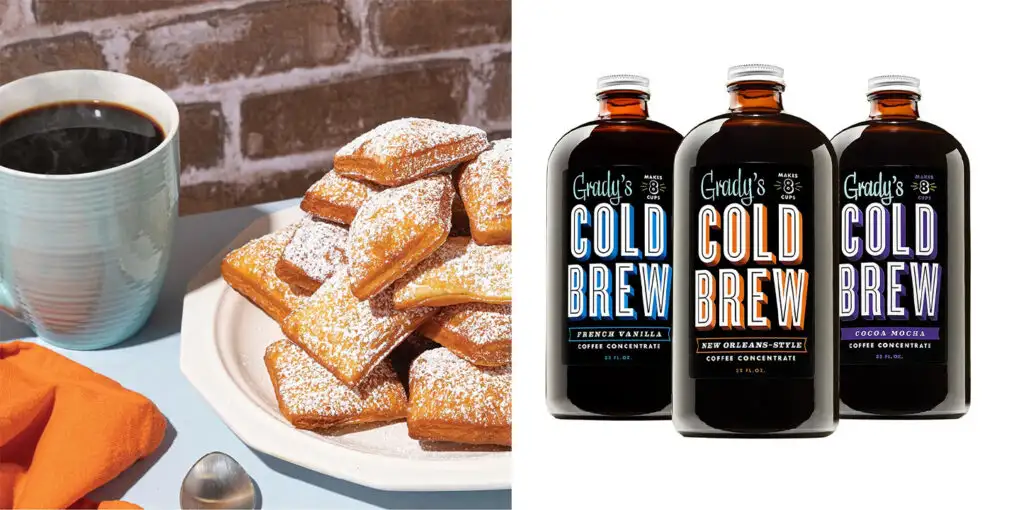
(317, 248)
(479, 333)
(402, 150)
(311, 397)
(478, 322)
(447, 388)
(395, 230)
(405, 136)
(337, 198)
(349, 336)
(486, 182)
(461, 271)
(336, 188)
(265, 250)
(251, 271)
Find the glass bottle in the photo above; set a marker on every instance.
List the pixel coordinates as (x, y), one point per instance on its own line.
(904, 272)
(754, 345)
(609, 218)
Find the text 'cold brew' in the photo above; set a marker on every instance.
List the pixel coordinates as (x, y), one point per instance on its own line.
(610, 209)
(904, 271)
(754, 261)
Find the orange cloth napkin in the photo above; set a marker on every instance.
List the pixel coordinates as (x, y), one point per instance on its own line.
(66, 430)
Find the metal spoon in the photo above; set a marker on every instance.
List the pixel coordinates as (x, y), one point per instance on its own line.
(217, 481)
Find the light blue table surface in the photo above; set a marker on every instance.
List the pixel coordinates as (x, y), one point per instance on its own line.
(148, 364)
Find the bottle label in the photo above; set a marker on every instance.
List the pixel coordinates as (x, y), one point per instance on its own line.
(752, 282)
(893, 251)
(618, 274)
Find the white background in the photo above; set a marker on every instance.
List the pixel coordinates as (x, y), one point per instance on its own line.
(967, 56)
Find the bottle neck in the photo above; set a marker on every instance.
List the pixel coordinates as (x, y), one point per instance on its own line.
(622, 104)
(893, 105)
(755, 97)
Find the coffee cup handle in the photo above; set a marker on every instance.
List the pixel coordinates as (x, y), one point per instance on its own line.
(7, 302)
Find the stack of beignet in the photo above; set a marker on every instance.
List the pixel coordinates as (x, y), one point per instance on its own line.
(402, 267)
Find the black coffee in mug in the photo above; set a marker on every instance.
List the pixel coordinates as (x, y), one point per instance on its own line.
(76, 138)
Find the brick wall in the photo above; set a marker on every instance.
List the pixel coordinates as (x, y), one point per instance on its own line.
(269, 89)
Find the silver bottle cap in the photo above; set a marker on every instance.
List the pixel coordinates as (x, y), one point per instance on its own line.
(754, 72)
(623, 82)
(894, 82)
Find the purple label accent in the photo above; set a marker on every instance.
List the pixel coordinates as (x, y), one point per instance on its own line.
(889, 333)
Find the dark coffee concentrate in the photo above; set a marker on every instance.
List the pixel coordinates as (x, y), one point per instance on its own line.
(610, 248)
(76, 138)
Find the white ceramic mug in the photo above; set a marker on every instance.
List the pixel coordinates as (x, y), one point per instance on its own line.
(83, 256)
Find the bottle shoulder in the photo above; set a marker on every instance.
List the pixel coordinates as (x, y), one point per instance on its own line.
(604, 141)
(733, 138)
(898, 143)
(879, 128)
(613, 127)
(764, 122)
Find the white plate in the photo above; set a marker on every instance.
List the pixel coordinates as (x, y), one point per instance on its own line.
(223, 337)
